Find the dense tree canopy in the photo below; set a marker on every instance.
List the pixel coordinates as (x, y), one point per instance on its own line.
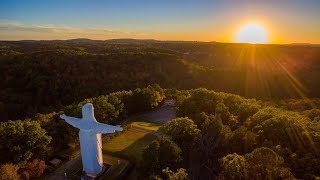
(262, 163)
(22, 140)
(247, 139)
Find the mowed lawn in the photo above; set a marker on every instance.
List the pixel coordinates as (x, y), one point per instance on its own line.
(131, 143)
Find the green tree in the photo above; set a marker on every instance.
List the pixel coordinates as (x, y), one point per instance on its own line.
(160, 154)
(201, 119)
(63, 134)
(145, 99)
(264, 163)
(261, 163)
(247, 108)
(169, 153)
(312, 114)
(200, 100)
(150, 158)
(104, 111)
(183, 131)
(286, 128)
(212, 143)
(181, 174)
(234, 166)
(223, 112)
(118, 105)
(75, 109)
(22, 140)
(241, 140)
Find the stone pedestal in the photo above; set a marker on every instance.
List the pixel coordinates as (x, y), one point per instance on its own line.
(81, 174)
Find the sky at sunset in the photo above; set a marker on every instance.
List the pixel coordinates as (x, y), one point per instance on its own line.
(284, 21)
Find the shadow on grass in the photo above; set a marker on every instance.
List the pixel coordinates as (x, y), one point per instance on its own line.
(134, 151)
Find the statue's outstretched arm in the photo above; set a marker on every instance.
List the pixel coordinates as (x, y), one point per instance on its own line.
(105, 128)
(75, 122)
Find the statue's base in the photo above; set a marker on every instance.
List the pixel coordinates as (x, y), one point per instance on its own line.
(83, 176)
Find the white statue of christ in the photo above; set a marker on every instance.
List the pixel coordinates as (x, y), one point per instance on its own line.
(90, 139)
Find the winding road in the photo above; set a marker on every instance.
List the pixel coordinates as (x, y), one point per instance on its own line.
(159, 115)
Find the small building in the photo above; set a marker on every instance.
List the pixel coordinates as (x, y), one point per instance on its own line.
(55, 162)
(169, 102)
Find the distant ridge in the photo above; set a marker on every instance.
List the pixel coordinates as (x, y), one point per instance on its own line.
(132, 40)
(304, 44)
(80, 39)
(142, 41)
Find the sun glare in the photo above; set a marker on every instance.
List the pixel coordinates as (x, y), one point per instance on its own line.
(252, 33)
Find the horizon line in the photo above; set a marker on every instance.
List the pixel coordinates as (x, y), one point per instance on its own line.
(141, 39)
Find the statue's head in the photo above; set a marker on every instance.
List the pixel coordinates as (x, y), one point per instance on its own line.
(87, 111)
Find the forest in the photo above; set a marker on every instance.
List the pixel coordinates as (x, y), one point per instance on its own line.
(41, 76)
(215, 135)
(243, 111)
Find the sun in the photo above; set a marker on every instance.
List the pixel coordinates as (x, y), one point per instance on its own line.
(252, 33)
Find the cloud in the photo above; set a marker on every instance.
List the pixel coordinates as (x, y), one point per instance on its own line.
(18, 27)
(49, 28)
(101, 31)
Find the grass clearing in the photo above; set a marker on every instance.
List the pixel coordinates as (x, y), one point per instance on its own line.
(131, 143)
(146, 125)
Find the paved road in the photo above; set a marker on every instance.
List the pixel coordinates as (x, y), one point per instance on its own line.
(159, 116)
(59, 173)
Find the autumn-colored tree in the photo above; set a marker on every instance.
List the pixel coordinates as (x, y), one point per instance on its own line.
(9, 172)
(34, 168)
